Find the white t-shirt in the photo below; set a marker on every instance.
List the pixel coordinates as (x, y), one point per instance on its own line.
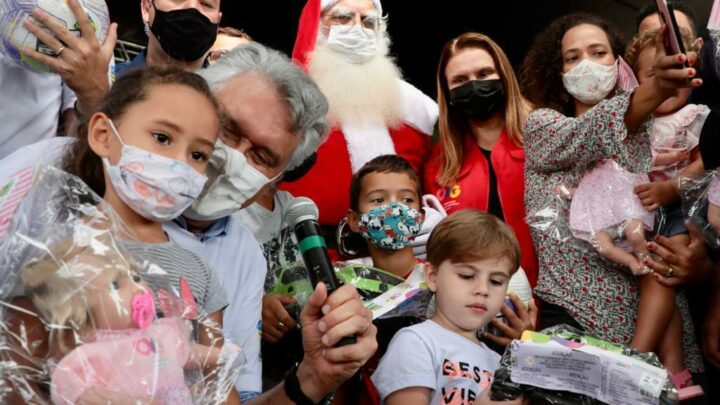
(455, 369)
(30, 106)
(240, 267)
(274, 235)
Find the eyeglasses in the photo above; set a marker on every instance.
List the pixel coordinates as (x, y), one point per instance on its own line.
(348, 19)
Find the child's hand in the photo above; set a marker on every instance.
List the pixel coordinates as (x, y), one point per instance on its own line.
(655, 195)
(671, 158)
(525, 319)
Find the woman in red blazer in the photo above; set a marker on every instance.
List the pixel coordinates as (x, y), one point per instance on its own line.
(479, 162)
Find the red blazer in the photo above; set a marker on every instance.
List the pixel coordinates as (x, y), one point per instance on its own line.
(472, 189)
(328, 182)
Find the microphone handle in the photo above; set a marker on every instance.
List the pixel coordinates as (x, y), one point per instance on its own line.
(314, 252)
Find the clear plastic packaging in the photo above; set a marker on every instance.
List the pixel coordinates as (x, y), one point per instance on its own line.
(563, 366)
(369, 281)
(701, 205)
(79, 321)
(605, 212)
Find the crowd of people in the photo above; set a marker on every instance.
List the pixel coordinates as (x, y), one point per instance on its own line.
(569, 170)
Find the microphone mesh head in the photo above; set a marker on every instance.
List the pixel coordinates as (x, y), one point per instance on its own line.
(301, 209)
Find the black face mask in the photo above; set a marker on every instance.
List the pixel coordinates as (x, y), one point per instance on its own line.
(185, 34)
(478, 99)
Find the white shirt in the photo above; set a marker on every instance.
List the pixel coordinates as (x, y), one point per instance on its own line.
(239, 264)
(271, 231)
(30, 106)
(455, 369)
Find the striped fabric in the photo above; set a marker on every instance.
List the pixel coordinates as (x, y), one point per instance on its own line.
(175, 262)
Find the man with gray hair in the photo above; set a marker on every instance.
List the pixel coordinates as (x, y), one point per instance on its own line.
(274, 119)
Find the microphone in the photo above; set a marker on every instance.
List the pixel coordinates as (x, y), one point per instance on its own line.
(302, 215)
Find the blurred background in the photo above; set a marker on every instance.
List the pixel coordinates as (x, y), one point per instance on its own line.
(418, 29)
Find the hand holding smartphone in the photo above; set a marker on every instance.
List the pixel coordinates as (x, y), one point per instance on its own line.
(673, 38)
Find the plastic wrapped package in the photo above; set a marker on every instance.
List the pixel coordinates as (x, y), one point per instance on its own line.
(369, 281)
(551, 220)
(701, 205)
(604, 211)
(79, 322)
(563, 366)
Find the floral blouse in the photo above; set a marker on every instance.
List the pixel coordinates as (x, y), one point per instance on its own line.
(599, 295)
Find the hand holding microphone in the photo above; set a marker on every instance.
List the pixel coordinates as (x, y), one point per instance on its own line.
(302, 216)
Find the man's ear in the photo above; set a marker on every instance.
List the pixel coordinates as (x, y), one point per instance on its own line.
(430, 276)
(352, 220)
(99, 134)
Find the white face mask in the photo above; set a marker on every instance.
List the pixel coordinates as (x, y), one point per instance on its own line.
(156, 187)
(589, 81)
(234, 181)
(356, 44)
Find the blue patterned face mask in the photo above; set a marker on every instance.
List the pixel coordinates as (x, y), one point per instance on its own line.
(391, 226)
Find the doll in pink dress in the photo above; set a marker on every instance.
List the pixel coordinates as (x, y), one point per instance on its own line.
(605, 208)
(91, 295)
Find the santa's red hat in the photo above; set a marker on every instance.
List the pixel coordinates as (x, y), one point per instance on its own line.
(308, 28)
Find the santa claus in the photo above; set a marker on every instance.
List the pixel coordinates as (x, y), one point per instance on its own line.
(344, 46)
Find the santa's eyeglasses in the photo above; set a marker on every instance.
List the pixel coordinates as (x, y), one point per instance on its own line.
(348, 19)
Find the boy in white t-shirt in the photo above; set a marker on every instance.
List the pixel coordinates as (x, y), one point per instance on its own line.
(471, 257)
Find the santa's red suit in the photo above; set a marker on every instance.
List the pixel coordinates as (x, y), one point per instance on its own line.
(349, 147)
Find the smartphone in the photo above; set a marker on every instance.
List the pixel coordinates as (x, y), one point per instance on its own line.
(673, 39)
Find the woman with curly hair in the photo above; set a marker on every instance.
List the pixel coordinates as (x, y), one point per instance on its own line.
(582, 120)
(480, 161)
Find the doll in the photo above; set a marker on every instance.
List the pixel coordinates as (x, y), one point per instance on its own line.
(122, 350)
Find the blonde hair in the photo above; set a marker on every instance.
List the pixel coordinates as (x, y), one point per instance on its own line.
(55, 283)
(647, 40)
(453, 126)
(469, 235)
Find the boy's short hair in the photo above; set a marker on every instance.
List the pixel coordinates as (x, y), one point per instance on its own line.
(381, 164)
(650, 8)
(470, 235)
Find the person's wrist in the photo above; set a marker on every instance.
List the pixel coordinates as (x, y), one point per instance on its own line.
(308, 385)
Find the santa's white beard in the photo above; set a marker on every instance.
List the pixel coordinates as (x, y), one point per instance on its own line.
(358, 93)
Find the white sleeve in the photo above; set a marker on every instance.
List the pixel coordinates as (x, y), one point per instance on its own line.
(407, 363)
(245, 309)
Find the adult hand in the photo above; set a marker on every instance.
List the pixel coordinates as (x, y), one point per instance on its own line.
(276, 322)
(680, 263)
(325, 320)
(654, 195)
(669, 74)
(711, 328)
(517, 323)
(81, 62)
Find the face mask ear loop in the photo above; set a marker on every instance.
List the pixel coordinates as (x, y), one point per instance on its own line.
(115, 131)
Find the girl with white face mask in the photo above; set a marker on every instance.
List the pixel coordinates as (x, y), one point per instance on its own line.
(145, 151)
(590, 135)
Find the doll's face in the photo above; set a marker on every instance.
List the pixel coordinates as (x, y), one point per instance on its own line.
(110, 295)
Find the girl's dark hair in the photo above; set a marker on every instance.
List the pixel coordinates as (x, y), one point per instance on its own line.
(131, 88)
(541, 71)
